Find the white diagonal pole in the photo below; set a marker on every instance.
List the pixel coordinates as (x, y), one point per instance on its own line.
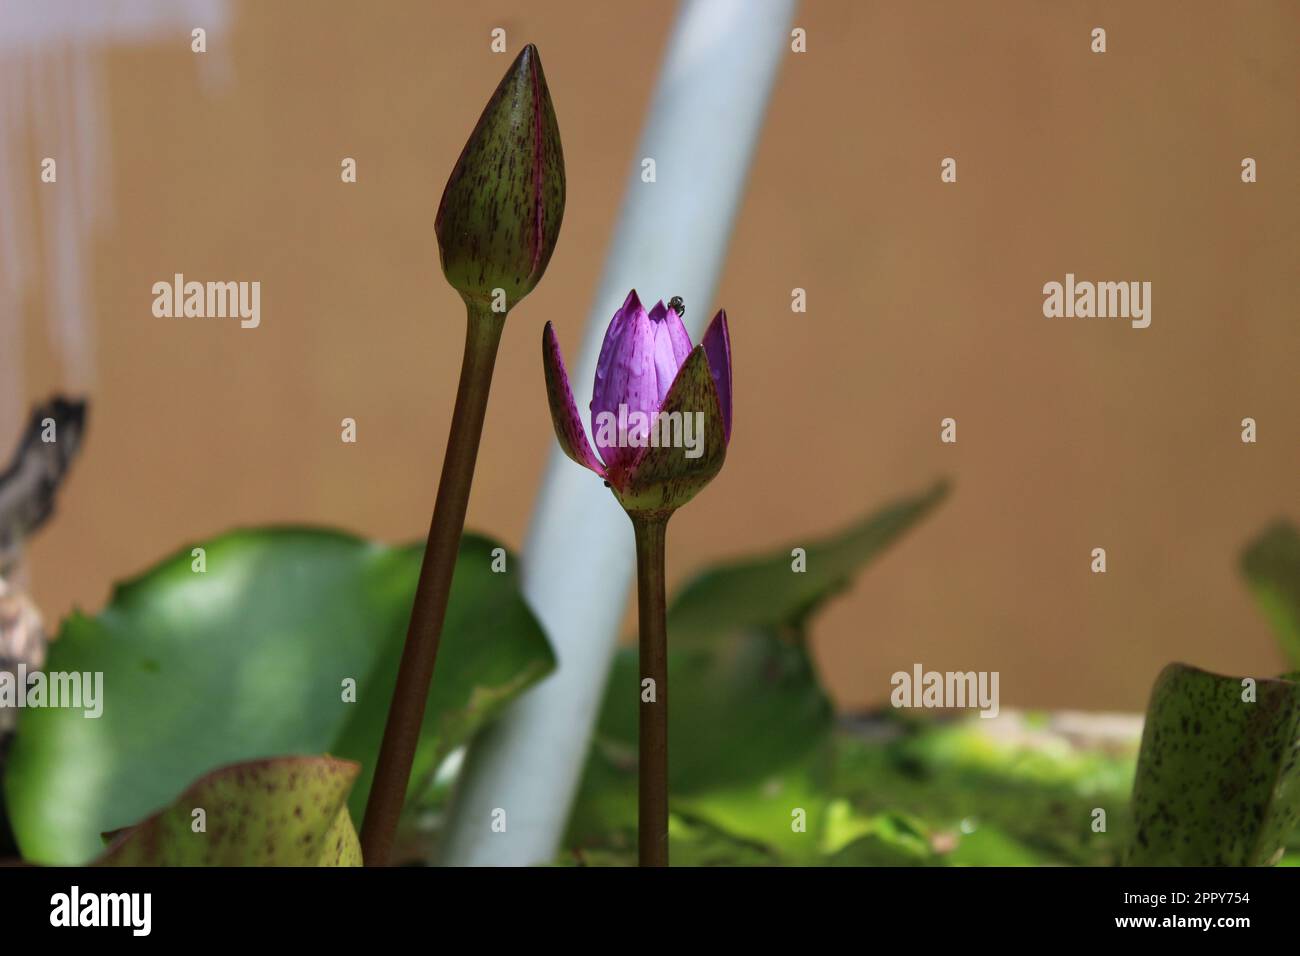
(671, 239)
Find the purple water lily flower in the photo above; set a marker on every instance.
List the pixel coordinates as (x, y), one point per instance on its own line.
(660, 411)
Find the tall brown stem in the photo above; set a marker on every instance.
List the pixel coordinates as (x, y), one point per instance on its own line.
(652, 772)
(406, 711)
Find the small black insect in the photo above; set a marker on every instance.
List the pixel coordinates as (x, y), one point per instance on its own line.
(677, 305)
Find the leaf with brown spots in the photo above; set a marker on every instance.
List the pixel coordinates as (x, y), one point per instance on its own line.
(283, 811)
(1218, 778)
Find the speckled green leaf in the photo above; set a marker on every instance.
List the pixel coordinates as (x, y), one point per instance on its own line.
(1271, 564)
(765, 592)
(248, 660)
(500, 214)
(1218, 777)
(287, 811)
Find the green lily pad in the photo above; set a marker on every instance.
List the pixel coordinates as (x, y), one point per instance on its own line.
(1271, 564)
(765, 592)
(286, 811)
(1218, 777)
(250, 659)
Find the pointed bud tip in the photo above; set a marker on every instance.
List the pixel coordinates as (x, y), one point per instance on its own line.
(631, 306)
(530, 60)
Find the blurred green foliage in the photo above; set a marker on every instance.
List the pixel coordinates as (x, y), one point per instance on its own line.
(1271, 564)
(250, 658)
(246, 661)
(754, 741)
(884, 791)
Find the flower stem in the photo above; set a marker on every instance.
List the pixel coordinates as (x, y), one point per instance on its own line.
(406, 711)
(652, 772)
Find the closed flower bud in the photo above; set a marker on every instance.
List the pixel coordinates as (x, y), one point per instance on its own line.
(500, 214)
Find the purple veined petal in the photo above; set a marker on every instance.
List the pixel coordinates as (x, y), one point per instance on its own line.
(717, 346)
(617, 327)
(665, 367)
(680, 338)
(628, 394)
(672, 345)
(666, 361)
(564, 413)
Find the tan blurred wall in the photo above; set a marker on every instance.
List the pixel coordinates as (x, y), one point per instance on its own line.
(924, 302)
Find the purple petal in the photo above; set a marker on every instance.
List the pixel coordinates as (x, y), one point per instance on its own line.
(564, 413)
(626, 385)
(666, 361)
(672, 346)
(680, 338)
(665, 367)
(617, 326)
(717, 346)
